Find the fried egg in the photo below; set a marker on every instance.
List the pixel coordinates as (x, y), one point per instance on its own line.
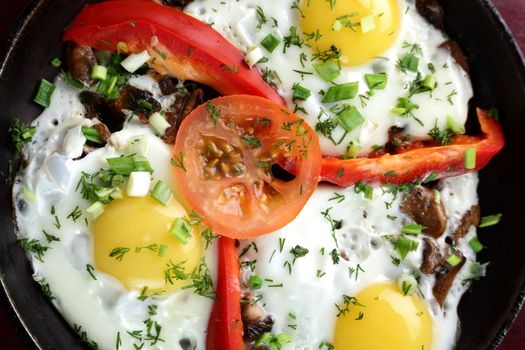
(388, 60)
(333, 275)
(106, 272)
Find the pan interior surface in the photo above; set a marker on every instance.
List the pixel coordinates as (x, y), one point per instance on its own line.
(498, 76)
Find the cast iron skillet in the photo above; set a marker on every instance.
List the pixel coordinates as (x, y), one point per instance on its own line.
(498, 74)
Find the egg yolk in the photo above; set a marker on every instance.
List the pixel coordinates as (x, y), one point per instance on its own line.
(387, 320)
(360, 29)
(140, 228)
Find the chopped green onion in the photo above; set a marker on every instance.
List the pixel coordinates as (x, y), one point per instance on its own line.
(135, 61)
(454, 126)
(412, 229)
(142, 164)
(404, 106)
(139, 184)
(92, 135)
(181, 230)
(470, 158)
(350, 118)
(341, 92)
(103, 193)
(28, 195)
(453, 260)
(256, 282)
(95, 210)
(107, 87)
(56, 62)
(328, 70)
(476, 245)
(99, 72)
(368, 23)
(431, 177)
(404, 246)
(300, 92)
(117, 193)
(158, 123)
(122, 47)
(270, 42)
(409, 62)
(353, 149)
(430, 82)
(376, 81)
(45, 90)
(337, 26)
(161, 192)
(254, 56)
(490, 220)
(122, 165)
(163, 250)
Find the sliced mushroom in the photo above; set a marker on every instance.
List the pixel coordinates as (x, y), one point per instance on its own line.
(470, 218)
(396, 139)
(445, 279)
(457, 53)
(432, 11)
(183, 105)
(432, 258)
(98, 107)
(255, 321)
(141, 102)
(80, 60)
(168, 84)
(423, 207)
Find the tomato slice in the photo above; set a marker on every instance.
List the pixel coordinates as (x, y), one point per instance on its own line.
(228, 155)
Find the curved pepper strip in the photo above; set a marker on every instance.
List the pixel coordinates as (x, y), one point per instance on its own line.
(225, 327)
(179, 44)
(418, 164)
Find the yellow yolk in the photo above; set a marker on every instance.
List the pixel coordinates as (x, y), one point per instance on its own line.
(389, 320)
(360, 29)
(141, 226)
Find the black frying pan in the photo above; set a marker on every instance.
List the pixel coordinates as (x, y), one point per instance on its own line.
(498, 74)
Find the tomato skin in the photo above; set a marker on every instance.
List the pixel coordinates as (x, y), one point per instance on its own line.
(445, 161)
(186, 48)
(287, 137)
(225, 328)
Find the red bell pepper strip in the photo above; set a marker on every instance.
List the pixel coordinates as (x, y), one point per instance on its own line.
(418, 164)
(225, 327)
(179, 44)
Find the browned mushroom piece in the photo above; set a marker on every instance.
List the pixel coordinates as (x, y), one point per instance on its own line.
(432, 11)
(98, 107)
(80, 60)
(168, 85)
(470, 218)
(432, 258)
(396, 139)
(444, 280)
(421, 205)
(255, 321)
(140, 102)
(457, 53)
(183, 105)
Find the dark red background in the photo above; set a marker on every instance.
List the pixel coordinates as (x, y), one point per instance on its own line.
(512, 10)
